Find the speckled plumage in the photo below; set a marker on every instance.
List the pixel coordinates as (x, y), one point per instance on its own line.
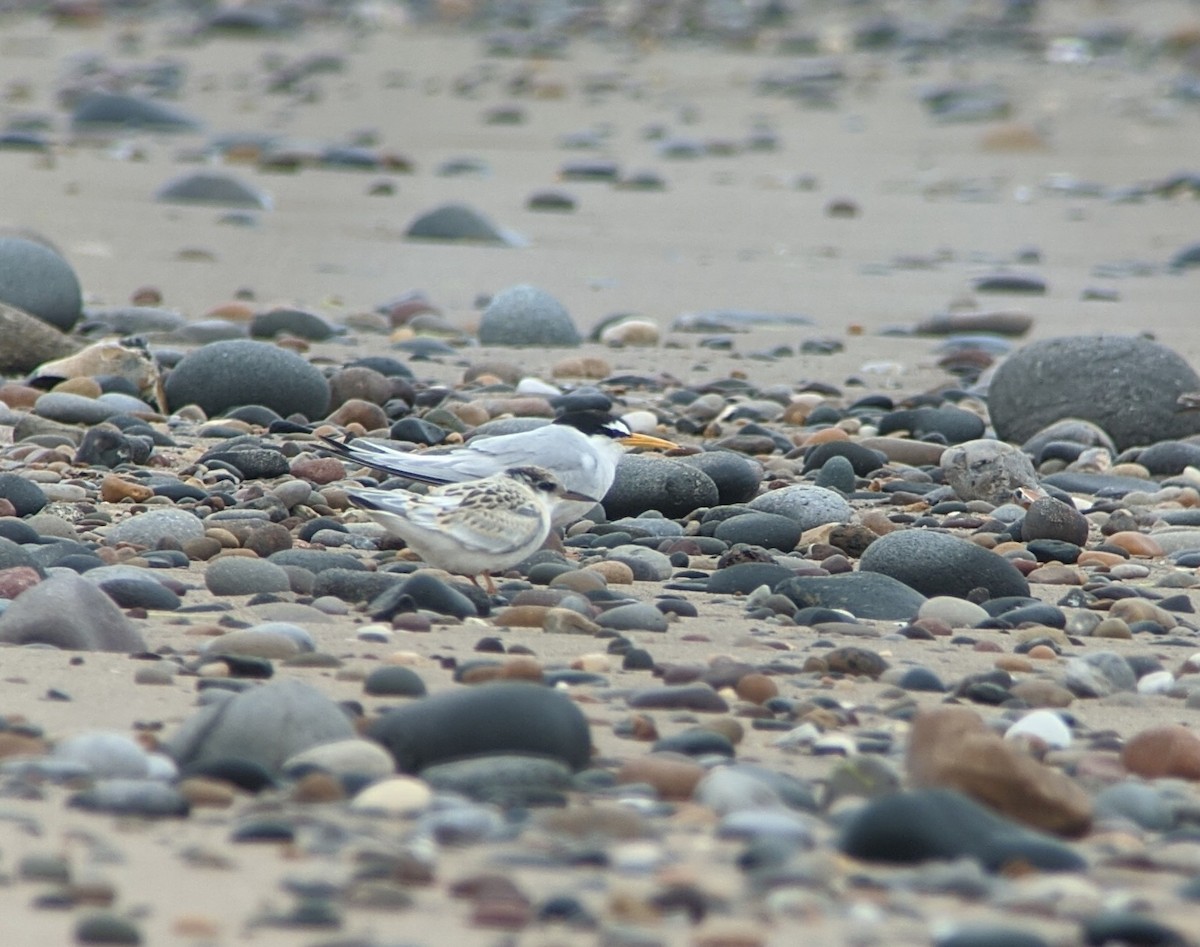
(473, 528)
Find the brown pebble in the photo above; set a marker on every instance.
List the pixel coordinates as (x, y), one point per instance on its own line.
(521, 668)
(196, 927)
(585, 580)
(521, 616)
(359, 411)
(1136, 544)
(614, 573)
(1167, 750)
(1042, 693)
(756, 688)
(317, 787)
(412, 622)
(986, 646)
(203, 792)
(16, 744)
(673, 777)
(1013, 663)
(953, 747)
(1053, 573)
(1112, 628)
(581, 367)
(1042, 652)
(1138, 609)
(1094, 558)
(114, 489)
(318, 470)
(202, 549)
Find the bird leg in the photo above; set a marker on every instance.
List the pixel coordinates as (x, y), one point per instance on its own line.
(489, 586)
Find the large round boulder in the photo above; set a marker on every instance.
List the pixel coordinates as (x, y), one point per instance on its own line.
(36, 280)
(1129, 386)
(224, 375)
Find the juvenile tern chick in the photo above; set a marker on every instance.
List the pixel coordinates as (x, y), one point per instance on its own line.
(580, 448)
(473, 528)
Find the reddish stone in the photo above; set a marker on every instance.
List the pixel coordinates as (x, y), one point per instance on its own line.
(1169, 750)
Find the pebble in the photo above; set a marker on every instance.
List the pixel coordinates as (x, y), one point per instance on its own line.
(219, 188)
(149, 529)
(458, 222)
(227, 374)
(105, 111)
(394, 682)
(37, 280)
(240, 575)
(265, 726)
(652, 482)
(807, 506)
(68, 612)
(527, 315)
(491, 718)
(274, 641)
(503, 779)
(1099, 674)
(953, 748)
(637, 616)
(399, 797)
(735, 476)
(764, 529)
(936, 563)
(865, 595)
(1165, 750)
(922, 824)
(26, 497)
(106, 755)
(363, 759)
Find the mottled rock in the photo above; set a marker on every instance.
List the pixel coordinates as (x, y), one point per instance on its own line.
(223, 375)
(1127, 385)
(526, 315)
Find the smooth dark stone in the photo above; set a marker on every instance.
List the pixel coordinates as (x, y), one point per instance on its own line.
(492, 718)
(1040, 614)
(26, 496)
(991, 936)
(769, 530)
(394, 681)
(736, 476)
(646, 483)
(421, 591)
(1054, 550)
(953, 424)
(1128, 928)
(865, 595)
(244, 774)
(863, 459)
(696, 742)
(700, 697)
(141, 593)
(1071, 377)
(926, 824)
(941, 564)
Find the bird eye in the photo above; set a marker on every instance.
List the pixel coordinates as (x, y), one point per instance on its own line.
(546, 486)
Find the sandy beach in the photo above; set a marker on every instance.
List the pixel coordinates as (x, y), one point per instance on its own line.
(928, 206)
